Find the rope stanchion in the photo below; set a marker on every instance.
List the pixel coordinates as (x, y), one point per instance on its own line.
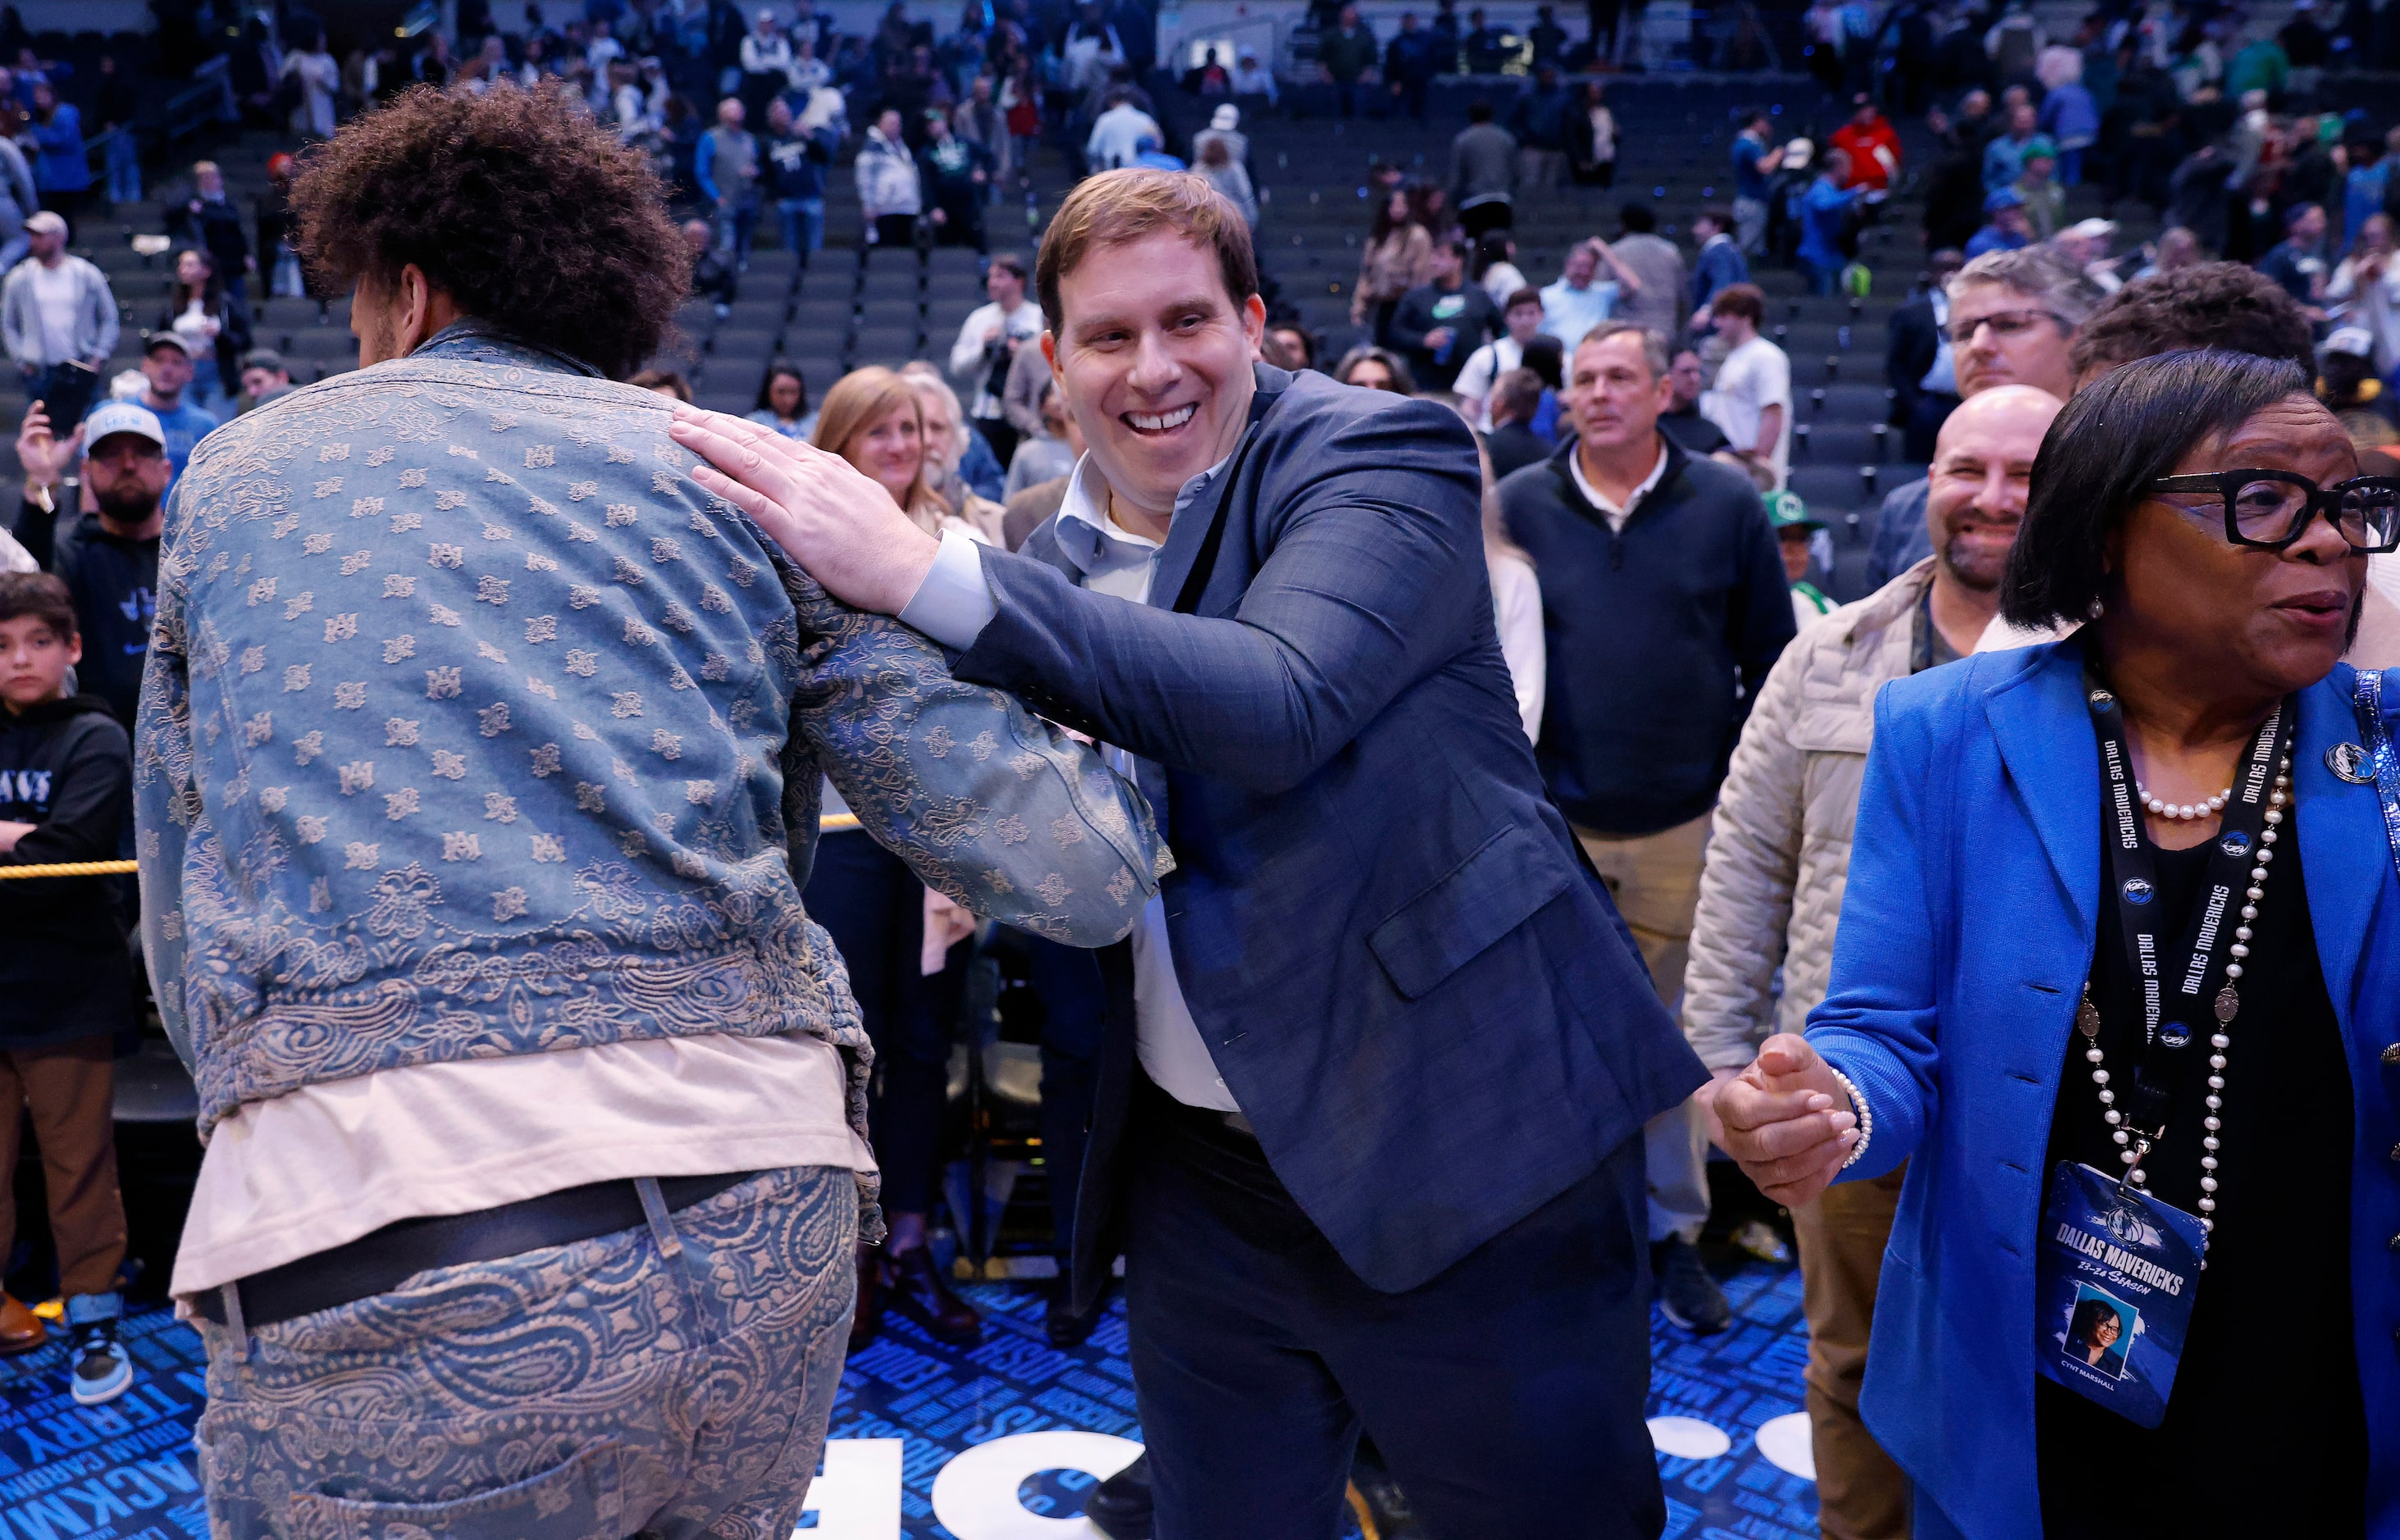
(837, 823)
(69, 869)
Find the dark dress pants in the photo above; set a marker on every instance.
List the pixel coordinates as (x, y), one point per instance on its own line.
(874, 908)
(1506, 1395)
(1066, 979)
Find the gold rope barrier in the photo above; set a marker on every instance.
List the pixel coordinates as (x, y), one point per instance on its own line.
(68, 868)
(836, 823)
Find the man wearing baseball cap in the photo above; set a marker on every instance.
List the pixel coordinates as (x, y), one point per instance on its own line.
(263, 376)
(2086, 245)
(1795, 531)
(58, 319)
(2006, 226)
(110, 557)
(166, 371)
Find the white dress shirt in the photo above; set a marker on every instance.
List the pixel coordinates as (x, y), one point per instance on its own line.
(954, 604)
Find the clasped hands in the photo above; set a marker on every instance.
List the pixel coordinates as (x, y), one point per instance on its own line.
(835, 521)
(1784, 1119)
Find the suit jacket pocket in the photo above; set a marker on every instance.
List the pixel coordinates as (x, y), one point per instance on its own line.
(1504, 883)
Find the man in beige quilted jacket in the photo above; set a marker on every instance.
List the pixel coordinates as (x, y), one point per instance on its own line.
(1772, 888)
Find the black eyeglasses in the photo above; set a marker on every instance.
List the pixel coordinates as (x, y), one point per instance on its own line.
(2004, 324)
(2268, 509)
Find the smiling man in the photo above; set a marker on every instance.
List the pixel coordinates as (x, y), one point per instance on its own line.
(2013, 316)
(1375, 1070)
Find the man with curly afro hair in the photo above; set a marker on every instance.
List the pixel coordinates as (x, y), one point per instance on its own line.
(478, 782)
(500, 208)
(2208, 304)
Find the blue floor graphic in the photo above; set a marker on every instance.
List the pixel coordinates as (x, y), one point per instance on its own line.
(944, 1441)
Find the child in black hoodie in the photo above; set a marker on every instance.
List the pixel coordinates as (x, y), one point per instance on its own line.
(67, 774)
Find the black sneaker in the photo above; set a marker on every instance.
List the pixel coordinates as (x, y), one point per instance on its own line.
(1687, 1293)
(103, 1373)
(1120, 1506)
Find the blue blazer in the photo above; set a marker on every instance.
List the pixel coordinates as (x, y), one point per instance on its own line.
(1427, 1007)
(1967, 933)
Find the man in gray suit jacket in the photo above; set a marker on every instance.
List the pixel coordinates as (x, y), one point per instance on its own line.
(1372, 1086)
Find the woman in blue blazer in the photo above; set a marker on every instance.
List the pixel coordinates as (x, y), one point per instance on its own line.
(1986, 1023)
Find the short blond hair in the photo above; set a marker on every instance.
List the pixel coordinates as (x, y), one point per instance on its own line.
(1119, 207)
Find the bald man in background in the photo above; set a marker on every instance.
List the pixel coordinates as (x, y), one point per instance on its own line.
(1779, 859)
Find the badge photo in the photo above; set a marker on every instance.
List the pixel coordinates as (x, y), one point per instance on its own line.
(2101, 1329)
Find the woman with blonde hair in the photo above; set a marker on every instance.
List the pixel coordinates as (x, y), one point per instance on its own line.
(898, 937)
(871, 417)
(949, 442)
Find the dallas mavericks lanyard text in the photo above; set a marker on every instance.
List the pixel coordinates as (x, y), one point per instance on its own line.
(2178, 986)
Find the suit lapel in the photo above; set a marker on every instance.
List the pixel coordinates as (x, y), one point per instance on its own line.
(1188, 530)
(2342, 845)
(2040, 723)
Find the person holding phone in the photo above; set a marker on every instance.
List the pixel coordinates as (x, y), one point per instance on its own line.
(58, 319)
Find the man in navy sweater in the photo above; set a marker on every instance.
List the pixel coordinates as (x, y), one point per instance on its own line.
(1664, 604)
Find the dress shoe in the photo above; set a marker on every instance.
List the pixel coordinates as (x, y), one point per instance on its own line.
(1059, 1322)
(920, 1292)
(868, 1318)
(21, 1330)
(1119, 1508)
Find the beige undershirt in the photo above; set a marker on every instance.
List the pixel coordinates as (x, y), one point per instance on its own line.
(329, 1163)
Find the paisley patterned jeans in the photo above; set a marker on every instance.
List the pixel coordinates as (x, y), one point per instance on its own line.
(614, 1387)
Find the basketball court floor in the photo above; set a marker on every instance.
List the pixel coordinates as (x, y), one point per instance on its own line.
(996, 1443)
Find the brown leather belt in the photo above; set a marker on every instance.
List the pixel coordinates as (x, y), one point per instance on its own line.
(380, 1260)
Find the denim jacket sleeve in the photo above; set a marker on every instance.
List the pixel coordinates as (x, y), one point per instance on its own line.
(1004, 813)
(168, 811)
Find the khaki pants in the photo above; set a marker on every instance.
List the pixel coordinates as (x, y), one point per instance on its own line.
(1655, 881)
(72, 1091)
(1861, 1495)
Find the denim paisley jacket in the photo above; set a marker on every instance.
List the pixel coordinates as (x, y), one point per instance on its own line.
(473, 728)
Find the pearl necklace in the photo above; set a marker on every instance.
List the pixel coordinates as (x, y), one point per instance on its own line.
(2132, 1144)
(2208, 808)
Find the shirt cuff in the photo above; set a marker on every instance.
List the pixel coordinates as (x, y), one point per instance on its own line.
(955, 602)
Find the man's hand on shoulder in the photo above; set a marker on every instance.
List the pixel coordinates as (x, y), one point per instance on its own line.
(836, 522)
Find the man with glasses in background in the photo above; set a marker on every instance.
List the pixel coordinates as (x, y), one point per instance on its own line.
(2012, 320)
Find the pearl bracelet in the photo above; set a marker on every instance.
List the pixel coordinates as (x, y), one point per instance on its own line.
(1865, 1113)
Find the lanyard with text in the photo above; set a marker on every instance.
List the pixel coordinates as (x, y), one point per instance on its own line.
(2114, 1269)
(2182, 988)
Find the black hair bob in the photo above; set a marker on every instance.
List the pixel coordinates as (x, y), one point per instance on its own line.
(2119, 433)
